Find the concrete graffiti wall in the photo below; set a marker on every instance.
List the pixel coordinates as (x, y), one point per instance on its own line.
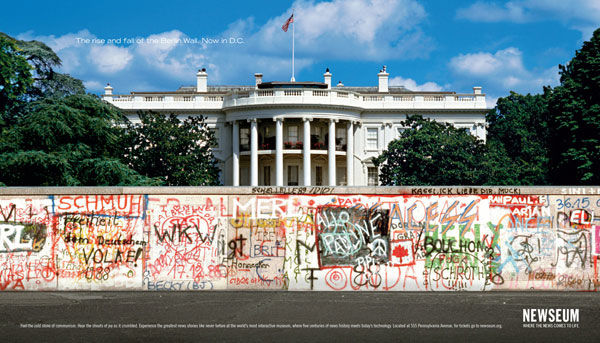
(273, 238)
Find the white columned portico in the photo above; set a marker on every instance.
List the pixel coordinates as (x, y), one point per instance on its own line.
(350, 154)
(253, 152)
(331, 152)
(236, 153)
(306, 151)
(278, 151)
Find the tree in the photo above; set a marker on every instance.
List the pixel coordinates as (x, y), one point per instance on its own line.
(517, 141)
(70, 141)
(432, 153)
(46, 80)
(15, 76)
(177, 152)
(574, 108)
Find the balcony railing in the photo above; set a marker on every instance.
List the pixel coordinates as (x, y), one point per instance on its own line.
(299, 96)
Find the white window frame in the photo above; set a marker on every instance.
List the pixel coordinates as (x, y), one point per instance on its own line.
(368, 147)
(243, 137)
(290, 131)
(340, 132)
(369, 168)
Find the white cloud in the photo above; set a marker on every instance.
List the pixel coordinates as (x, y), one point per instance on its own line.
(362, 30)
(413, 86)
(93, 85)
(168, 52)
(109, 58)
(349, 29)
(586, 10)
(501, 72)
(491, 12)
(485, 63)
(577, 14)
(59, 43)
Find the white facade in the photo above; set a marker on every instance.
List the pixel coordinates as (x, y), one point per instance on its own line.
(297, 133)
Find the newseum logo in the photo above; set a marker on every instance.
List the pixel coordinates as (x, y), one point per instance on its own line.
(551, 318)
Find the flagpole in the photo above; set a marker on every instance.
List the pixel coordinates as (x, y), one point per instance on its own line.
(293, 38)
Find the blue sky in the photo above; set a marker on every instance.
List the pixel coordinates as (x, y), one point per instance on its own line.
(426, 45)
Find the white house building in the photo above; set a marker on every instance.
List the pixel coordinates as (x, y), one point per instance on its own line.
(305, 133)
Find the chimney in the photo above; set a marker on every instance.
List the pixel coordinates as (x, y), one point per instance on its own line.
(201, 81)
(383, 80)
(327, 78)
(258, 77)
(108, 89)
(476, 90)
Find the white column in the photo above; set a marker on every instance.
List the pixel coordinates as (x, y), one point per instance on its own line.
(350, 154)
(253, 152)
(236, 153)
(331, 152)
(279, 151)
(306, 152)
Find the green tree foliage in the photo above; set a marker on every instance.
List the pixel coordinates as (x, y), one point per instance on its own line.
(517, 140)
(46, 81)
(432, 153)
(55, 135)
(15, 76)
(574, 108)
(68, 141)
(177, 152)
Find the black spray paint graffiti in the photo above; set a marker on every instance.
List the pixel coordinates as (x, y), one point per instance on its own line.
(574, 246)
(524, 248)
(353, 236)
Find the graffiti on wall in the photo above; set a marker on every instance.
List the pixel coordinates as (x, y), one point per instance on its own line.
(423, 241)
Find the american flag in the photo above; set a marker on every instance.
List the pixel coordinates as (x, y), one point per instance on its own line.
(287, 23)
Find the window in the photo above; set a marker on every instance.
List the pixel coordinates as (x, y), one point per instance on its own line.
(245, 139)
(269, 131)
(340, 175)
(318, 176)
(293, 133)
(372, 138)
(267, 175)
(316, 130)
(372, 176)
(292, 175)
(340, 135)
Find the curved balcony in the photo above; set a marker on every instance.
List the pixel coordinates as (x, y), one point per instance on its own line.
(345, 98)
(294, 96)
